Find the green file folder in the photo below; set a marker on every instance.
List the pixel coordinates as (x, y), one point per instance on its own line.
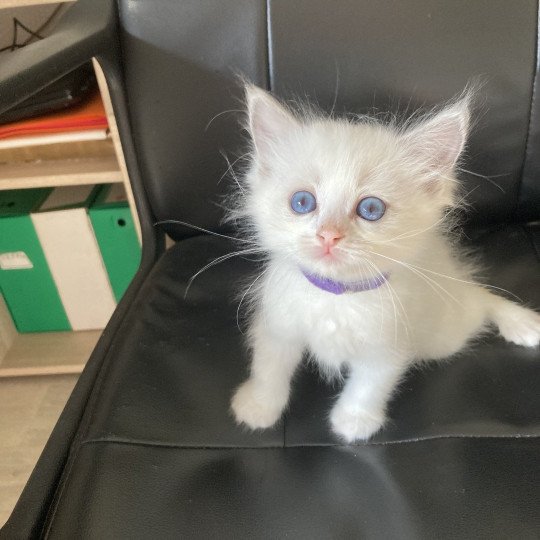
(116, 236)
(25, 279)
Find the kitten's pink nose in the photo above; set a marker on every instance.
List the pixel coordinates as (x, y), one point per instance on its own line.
(329, 237)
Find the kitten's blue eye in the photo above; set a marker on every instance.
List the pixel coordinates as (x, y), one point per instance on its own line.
(303, 202)
(371, 208)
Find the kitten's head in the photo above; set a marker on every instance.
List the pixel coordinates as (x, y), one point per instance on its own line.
(343, 198)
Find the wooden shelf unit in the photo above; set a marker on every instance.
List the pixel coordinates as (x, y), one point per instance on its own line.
(53, 173)
(75, 163)
(24, 3)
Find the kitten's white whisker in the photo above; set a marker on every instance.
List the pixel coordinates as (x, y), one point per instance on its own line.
(490, 180)
(269, 279)
(472, 283)
(381, 304)
(244, 296)
(417, 271)
(433, 284)
(336, 90)
(375, 273)
(411, 234)
(404, 317)
(392, 292)
(231, 170)
(221, 114)
(197, 228)
(468, 282)
(213, 263)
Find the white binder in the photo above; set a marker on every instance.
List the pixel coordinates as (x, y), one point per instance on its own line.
(65, 232)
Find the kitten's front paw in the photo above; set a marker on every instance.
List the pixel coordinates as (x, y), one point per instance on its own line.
(253, 410)
(354, 424)
(521, 326)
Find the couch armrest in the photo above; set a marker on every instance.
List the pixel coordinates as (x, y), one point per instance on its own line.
(87, 29)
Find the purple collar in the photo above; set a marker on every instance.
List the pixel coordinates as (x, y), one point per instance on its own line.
(340, 287)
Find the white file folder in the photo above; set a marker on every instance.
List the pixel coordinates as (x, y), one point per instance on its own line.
(65, 232)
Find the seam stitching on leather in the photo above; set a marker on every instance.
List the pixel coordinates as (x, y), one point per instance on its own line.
(269, 56)
(534, 93)
(329, 445)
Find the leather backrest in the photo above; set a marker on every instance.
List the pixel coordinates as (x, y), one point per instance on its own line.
(182, 60)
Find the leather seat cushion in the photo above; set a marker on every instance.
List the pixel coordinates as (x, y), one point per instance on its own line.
(159, 436)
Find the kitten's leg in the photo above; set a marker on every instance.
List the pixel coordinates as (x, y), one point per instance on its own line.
(260, 400)
(516, 323)
(360, 409)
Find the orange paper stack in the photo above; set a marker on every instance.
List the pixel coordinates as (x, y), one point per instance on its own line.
(84, 121)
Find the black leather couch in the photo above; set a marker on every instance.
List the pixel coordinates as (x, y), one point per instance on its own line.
(147, 447)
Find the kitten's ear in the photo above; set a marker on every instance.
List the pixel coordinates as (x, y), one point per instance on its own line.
(439, 140)
(269, 121)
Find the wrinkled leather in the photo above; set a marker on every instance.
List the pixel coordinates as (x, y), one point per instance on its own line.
(439, 488)
(460, 441)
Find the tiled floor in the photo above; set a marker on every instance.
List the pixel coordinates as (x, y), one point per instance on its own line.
(29, 409)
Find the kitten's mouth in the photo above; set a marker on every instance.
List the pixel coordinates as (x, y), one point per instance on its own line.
(324, 259)
(327, 254)
(330, 263)
(337, 263)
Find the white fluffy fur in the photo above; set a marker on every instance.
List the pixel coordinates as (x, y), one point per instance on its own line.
(429, 308)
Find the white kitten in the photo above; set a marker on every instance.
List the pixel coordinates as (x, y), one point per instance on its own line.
(360, 271)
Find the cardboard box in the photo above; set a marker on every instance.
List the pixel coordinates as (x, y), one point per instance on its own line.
(116, 236)
(25, 278)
